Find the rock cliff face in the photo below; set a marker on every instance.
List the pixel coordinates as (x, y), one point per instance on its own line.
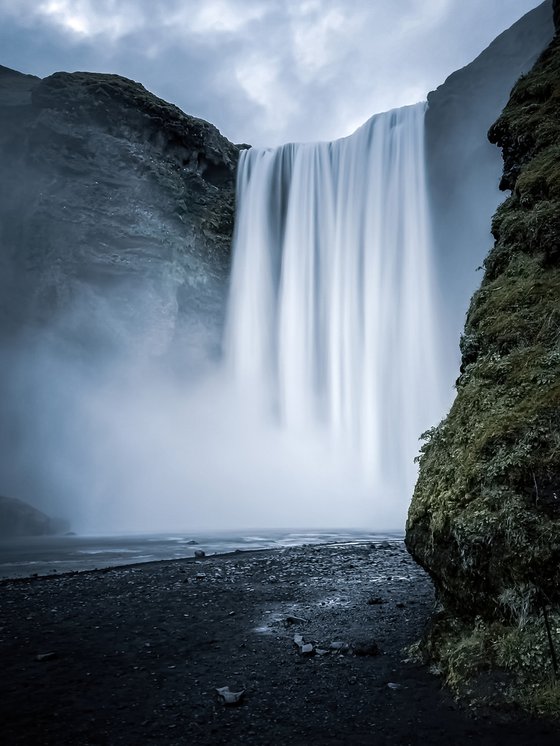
(20, 519)
(485, 517)
(108, 191)
(116, 216)
(463, 167)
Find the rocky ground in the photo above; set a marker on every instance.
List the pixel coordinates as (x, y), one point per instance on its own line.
(315, 637)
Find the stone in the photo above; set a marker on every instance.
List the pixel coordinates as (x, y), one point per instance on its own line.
(339, 646)
(46, 657)
(230, 698)
(306, 648)
(364, 649)
(290, 620)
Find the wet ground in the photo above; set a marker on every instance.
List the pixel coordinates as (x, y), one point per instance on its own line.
(21, 557)
(314, 637)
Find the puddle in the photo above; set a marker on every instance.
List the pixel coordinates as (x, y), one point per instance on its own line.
(265, 630)
(334, 602)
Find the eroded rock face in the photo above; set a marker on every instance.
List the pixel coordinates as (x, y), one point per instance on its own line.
(116, 218)
(108, 191)
(17, 518)
(485, 517)
(463, 167)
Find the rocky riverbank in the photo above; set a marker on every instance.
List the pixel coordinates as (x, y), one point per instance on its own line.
(315, 637)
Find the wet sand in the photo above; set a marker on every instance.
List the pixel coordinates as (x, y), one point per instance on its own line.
(134, 655)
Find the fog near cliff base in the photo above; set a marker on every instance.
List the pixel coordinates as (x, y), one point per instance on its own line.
(131, 446)
(119, 415)
(127, 418)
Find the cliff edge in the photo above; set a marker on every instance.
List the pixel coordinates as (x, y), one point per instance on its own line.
(485, 516)
(116, 219)
(107, 190)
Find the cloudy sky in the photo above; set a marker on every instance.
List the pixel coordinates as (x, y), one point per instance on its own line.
(263, 71)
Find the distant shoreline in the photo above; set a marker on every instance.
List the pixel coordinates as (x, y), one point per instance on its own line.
(60, 555)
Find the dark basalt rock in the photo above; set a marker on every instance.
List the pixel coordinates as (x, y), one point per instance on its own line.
(105, 188)
(485, 517)
(463, 168)
(18, 518)
(116, 219)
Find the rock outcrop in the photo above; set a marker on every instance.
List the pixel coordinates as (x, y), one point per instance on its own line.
(108, 191)
(116, 219)
(485, 517)
(463, 167)
(18, 518)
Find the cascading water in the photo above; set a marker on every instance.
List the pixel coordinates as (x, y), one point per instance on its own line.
(332, 318)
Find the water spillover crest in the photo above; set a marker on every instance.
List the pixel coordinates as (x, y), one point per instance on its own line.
(332, 319)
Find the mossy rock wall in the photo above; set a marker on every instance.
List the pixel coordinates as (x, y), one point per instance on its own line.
(485, 515)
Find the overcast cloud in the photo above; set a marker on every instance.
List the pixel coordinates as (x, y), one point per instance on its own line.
(264, 71)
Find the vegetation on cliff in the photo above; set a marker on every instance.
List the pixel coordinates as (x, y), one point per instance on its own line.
(485, 517)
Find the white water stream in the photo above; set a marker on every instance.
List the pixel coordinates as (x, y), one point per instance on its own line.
(333, 321)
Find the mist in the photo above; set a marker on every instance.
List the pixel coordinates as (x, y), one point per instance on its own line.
(126, 442)
(118, 411)
(121, 414)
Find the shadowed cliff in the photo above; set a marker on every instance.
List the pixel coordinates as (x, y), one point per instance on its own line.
(463, 167)
(485, 517)
(20, 519)
(108, 190)
(116, 216)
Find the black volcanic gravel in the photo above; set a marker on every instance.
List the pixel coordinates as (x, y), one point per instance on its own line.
(134, 655)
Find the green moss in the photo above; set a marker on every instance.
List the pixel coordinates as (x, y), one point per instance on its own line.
(464, 655)
(543, 699)
(529, 123)
(541, 181)
(515, 659)
(485, 516)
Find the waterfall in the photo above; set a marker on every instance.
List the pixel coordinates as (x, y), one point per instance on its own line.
(332, 321)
